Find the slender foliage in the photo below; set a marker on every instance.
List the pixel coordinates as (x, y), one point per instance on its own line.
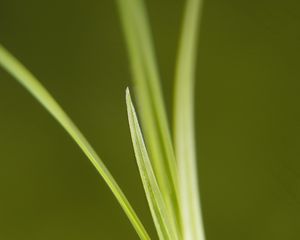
(23, 76)
(150, 101)
(170, 184)
(184, 124)
(165, 226)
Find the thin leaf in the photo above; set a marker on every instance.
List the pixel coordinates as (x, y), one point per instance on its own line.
(164, 225)
(23, 76)
(150, 101)
(184, 124)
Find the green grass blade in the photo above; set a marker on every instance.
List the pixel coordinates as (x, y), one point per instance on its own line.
(184, 124)
(23, 76)
(164, 225)
(150, 101)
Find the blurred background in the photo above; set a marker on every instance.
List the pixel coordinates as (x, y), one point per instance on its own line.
(248, 118)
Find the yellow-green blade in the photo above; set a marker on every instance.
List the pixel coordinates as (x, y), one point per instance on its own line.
(23, 76)
(184, 124)
(150, 101)
(164, 225)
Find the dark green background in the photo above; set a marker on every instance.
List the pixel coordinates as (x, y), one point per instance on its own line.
(248, 118)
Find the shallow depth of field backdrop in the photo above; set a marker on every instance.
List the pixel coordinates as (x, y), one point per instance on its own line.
(248, 118)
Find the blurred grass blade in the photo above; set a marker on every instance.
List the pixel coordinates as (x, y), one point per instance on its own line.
(164, 225)
(150, 101)
(23, 76)
(184, 124)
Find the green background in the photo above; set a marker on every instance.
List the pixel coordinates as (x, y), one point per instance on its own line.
(248, 118)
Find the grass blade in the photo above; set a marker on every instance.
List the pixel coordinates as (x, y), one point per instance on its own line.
(164, 225)
(184, 124)
(24, 77)
(150, 100)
